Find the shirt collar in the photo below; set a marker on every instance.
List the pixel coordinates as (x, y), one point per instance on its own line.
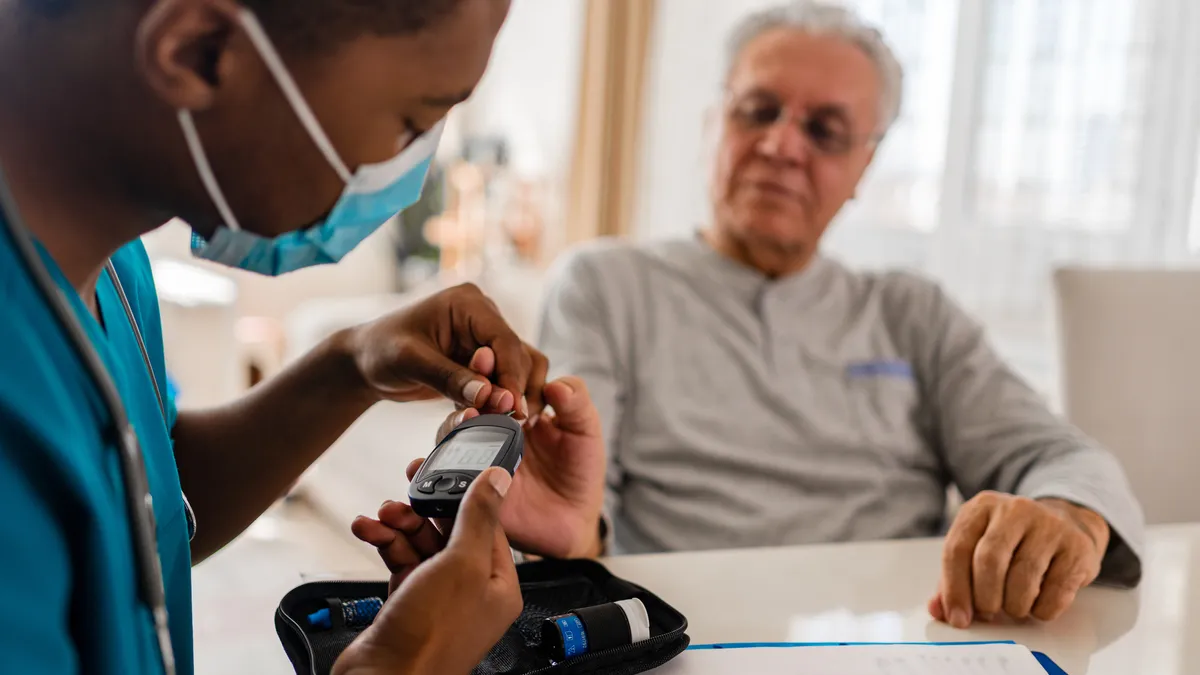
(701, 261)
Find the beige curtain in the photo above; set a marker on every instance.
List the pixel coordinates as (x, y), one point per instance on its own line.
(605, 166)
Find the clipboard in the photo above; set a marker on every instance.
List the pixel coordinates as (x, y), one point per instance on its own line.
(1050, 666)
(1045, 661)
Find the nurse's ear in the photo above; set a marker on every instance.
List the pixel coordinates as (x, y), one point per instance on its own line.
(187, 48)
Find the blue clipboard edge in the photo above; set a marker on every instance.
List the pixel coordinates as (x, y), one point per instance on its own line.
(1046, 662)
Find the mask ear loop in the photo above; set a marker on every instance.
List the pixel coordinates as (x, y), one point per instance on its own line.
(266, 49)
(196, 147)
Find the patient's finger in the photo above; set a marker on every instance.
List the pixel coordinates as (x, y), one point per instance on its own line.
(992, 562)
(426, 540)
(413, 467)
(936, 609)
(394, 549)
(452, 422)
(957, 559)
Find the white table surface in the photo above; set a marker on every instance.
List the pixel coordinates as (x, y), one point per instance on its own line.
(873, 592)
(877, 592)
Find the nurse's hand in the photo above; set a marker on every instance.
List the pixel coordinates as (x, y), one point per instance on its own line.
(553, 509)
(1017, 557)
(424, 351)
(451, 610)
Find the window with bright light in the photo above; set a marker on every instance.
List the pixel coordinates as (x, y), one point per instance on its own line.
(1061, 126)
(904, 183)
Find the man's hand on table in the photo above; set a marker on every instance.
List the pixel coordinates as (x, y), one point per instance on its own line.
(1013, 556)
(553, 508)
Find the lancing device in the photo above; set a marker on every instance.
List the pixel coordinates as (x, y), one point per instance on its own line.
(595, 629)
(474, 446)
(353, 613)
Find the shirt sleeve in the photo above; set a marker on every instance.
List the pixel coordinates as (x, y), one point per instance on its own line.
(996, 433)
(35, 572)
(578, 337)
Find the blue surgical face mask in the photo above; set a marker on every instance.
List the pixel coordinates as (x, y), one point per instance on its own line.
(374, 193)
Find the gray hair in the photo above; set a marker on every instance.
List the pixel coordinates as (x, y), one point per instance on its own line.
(818, 17)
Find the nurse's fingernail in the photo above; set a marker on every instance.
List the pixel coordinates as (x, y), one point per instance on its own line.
(471, 391)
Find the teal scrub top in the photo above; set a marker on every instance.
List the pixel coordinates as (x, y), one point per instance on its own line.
(69, 599)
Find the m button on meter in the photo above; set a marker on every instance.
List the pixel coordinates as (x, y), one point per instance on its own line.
(427, 486)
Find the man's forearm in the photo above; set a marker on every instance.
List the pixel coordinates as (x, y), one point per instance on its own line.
(236, 460)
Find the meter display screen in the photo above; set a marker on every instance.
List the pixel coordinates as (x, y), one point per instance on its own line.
(473, 449)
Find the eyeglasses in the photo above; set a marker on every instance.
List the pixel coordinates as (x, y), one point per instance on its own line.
(827, 128)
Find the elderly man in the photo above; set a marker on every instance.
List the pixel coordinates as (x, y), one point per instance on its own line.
(754, 392)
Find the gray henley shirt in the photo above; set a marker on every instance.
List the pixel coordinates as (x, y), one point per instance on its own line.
(826, 406)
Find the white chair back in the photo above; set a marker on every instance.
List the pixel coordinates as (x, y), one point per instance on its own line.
(1130, 354)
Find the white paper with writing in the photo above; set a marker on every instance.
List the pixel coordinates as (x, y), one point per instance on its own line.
(858, 660)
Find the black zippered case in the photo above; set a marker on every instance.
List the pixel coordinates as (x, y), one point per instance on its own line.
(549, 587)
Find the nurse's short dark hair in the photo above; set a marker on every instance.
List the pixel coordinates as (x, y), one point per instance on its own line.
(313, 24)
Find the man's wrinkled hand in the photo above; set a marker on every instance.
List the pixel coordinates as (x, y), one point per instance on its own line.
(1013, 556)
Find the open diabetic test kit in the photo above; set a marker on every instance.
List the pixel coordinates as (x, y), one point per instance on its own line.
(578, 619)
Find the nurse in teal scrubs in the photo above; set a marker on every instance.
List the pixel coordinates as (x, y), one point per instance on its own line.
(284, 132)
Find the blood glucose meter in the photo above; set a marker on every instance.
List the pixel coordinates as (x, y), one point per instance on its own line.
(475, 445)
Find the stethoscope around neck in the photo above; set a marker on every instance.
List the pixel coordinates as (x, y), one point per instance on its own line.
(139, 503)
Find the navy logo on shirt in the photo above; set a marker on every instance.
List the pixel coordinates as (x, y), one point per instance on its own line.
(880, 368)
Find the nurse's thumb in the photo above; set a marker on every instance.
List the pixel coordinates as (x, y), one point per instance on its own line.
(478, 518)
